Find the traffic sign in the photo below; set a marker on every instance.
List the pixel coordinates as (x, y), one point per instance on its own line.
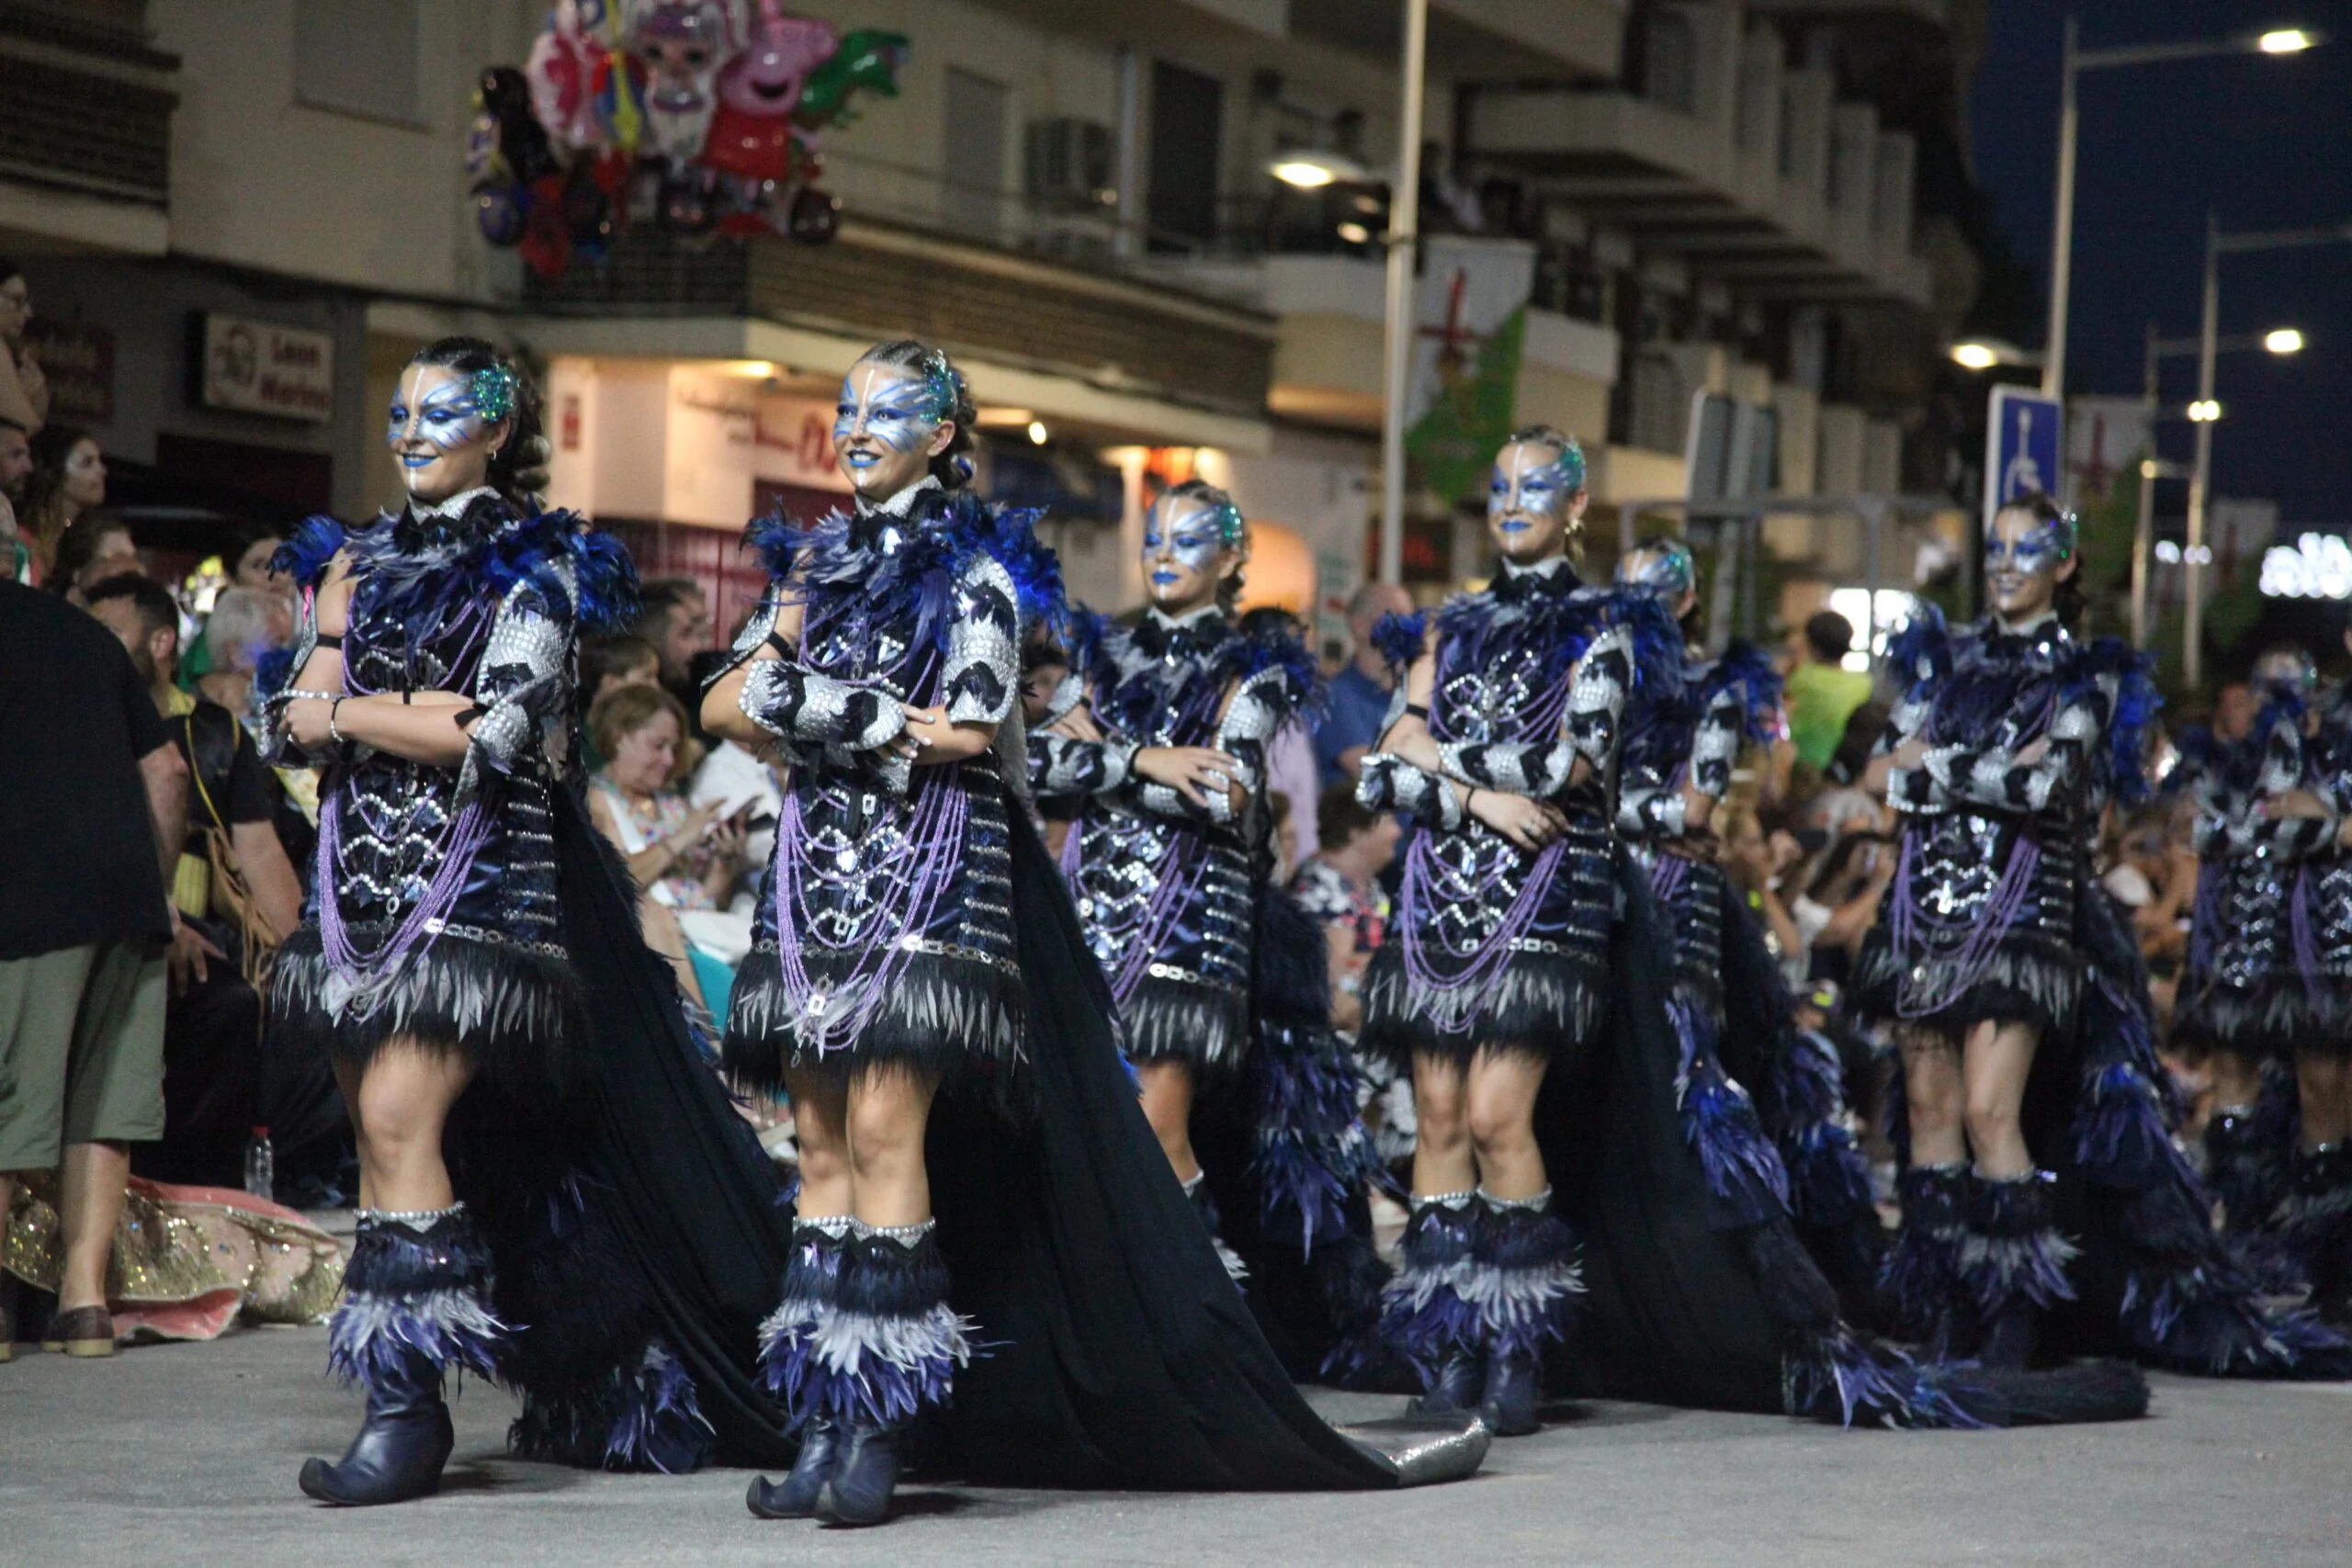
(2025, 440)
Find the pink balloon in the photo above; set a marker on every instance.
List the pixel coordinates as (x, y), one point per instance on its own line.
(766, 78)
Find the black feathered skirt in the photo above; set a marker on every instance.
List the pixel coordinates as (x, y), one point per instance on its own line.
(1979, 924)
(2270, 957)
(1492, 948)
(883, 937)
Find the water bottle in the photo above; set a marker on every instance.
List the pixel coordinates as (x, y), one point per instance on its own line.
(261, 1167)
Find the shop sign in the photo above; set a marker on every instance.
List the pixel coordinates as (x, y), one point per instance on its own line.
(78, 359)
(261, 367)
(792, 443)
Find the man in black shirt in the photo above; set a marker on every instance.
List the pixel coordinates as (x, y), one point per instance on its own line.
(234, 886)
(92, 807)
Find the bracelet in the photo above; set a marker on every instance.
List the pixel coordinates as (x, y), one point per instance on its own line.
(334, 708)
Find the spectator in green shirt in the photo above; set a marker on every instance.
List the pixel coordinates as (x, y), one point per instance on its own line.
(1822, 693)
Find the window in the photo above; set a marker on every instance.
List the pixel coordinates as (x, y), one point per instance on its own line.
(973, 202)
(359, 56)
(1662, 57)
(1187, 119)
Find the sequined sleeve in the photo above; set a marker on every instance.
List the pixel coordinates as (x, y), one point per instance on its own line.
(757, 630)
(523, 680)
(1993, 776)
(2249, 830)
(1261, 705)
(1061, 765)
(982, 676)
(1388, 782)
(1660, 811)
(804, 707)
(1597, 692)
(278, 748)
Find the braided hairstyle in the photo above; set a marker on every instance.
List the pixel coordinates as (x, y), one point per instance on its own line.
(503, 390)
(1231, 532)
(951, 402)
(2066, 596)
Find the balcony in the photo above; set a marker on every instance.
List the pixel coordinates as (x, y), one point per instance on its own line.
(1752, 173)
(85, 143)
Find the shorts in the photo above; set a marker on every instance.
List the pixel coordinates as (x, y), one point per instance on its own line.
(81, 1050)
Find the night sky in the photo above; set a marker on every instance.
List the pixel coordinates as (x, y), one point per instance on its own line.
(2267, 144)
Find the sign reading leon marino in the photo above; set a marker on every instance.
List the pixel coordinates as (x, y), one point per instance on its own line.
(261, 367)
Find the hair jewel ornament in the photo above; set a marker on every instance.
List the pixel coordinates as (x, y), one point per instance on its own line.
(939, 390)
(1571, 464)
(492, 391)
(1230, 528)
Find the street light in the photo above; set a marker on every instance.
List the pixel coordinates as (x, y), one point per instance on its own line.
(2076, 60)
(1308, 168)
(1403, 240)
(1975, 355)
(2209, 339)
(2283, 340)
(2204, 410)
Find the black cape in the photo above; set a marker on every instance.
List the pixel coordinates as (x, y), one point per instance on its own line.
(1117, 1351)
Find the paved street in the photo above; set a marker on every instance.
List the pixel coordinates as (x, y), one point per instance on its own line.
(187, 1454)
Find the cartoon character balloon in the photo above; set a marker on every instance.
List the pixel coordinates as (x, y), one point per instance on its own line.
(752, 136)
(562, 69)
(689, 115)
(681, 44)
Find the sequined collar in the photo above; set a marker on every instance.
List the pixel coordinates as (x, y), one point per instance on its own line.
(1516, 584)
(2043, 644)
(475, 513)
(1185, 637)
(902, 504)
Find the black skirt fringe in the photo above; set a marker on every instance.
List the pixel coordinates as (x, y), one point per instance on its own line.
(515, 1011)
(2032, 978)
(1205, 1027)
(944, 1015)
(1548, 1005)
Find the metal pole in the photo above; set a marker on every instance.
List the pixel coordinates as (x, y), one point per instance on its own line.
(2192, 632)
(2062, 238)
(1403, 240)
(2144, 533)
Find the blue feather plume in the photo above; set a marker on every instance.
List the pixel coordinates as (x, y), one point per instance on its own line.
(1399, 638)
(304, 554)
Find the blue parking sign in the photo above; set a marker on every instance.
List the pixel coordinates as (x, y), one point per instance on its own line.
(2025, 443)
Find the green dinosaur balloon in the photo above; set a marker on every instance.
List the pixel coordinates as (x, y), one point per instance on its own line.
(869, 58)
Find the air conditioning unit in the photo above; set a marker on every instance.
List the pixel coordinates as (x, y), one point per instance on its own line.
(1069, 162)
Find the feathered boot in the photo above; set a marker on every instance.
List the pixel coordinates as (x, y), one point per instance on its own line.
(787, 1356)
(1425, 1316)
(2014, 1263)
(415, 1304)
(1919, 1291)
(1523, 1281)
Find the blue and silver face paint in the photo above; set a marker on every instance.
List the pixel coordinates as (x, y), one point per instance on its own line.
(440, 423)
(2023, 557)
(1529, 497)
(1183, 538)
(884, 422)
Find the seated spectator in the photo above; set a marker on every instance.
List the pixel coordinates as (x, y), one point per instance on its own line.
(686, 859)
(1357, 704)
(1822, 693)
(92, 548)
(1340, 884)
(1291, 769)
(232, 886)
(251, 569)
(98, 809)
(607, 663)
(742, 783)
(245, 622)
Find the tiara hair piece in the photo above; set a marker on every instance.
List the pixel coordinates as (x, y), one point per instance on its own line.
(940, 391)
(492, 390)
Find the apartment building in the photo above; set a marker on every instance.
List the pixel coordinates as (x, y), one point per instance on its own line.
(1742, 197)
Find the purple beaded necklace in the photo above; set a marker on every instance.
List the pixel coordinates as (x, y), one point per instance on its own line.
(1457, 976)
(457, 846)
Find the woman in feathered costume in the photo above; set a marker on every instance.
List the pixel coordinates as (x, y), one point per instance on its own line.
(2042, 1182)
(917, 971)
(2268, 986)
(1157, 740)
(432, 677)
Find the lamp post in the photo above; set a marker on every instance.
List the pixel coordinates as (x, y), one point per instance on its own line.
(2206, 411)
(2278, 341)
(2075, 60)
(1403, 240)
